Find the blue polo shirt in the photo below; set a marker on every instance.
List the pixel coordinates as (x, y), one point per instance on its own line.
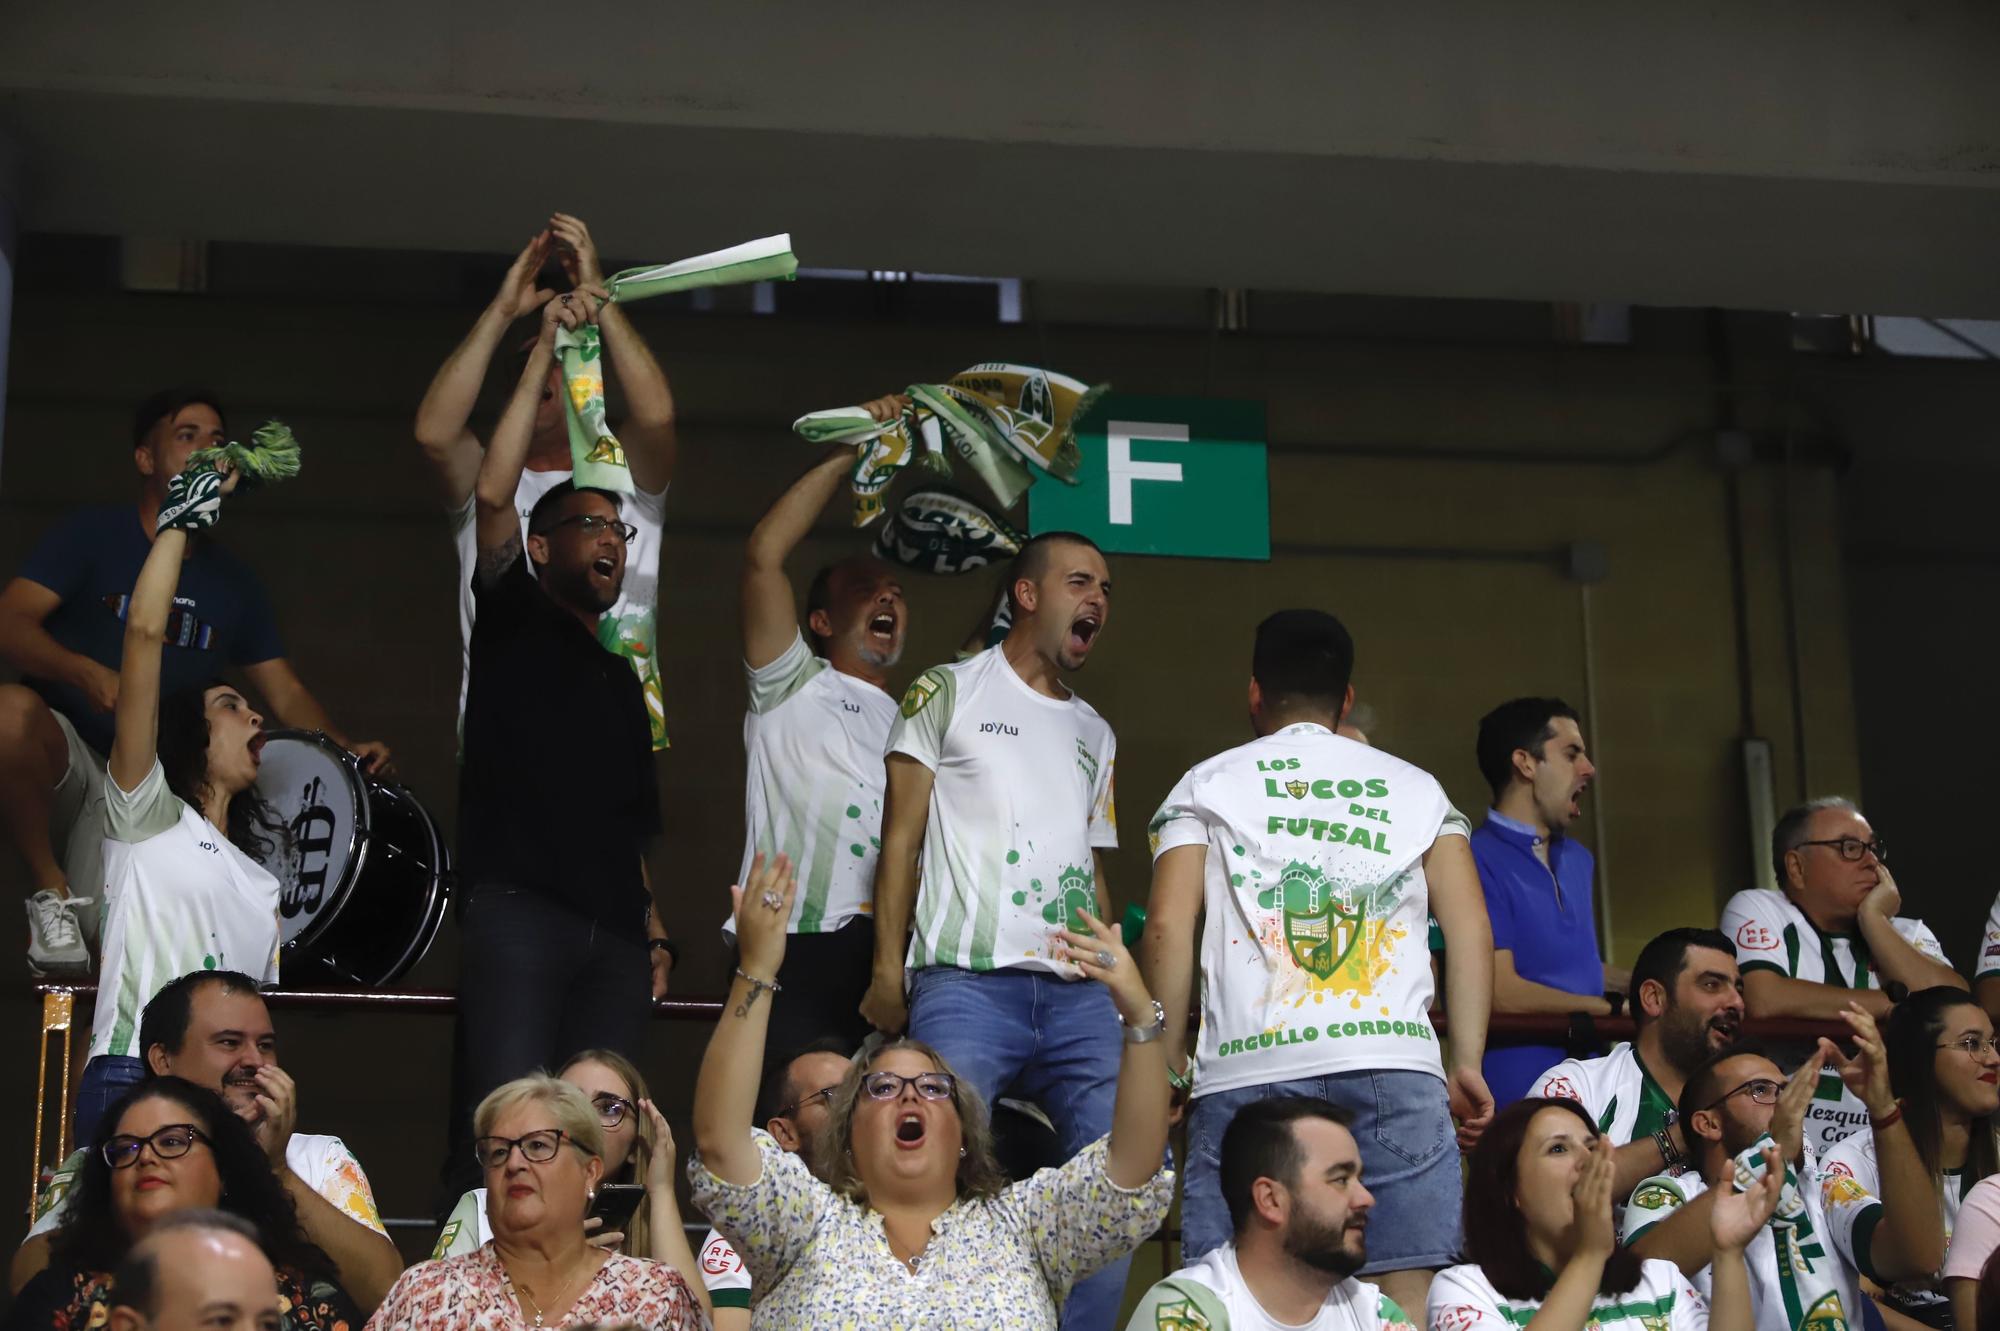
(1543, 915)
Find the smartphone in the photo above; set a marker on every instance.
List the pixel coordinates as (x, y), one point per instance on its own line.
(616, 1202)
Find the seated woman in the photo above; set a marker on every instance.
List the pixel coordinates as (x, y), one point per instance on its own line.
(181, 893)
(638, 1149)
(169, 1146)
(914, 1224)
(1538, 1203)
(541, 1143)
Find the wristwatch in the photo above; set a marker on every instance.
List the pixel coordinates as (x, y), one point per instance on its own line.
(1146, 1034)
(666, 945)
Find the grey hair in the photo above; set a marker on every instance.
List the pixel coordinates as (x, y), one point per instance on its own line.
(567, 1104)
(1790, 832)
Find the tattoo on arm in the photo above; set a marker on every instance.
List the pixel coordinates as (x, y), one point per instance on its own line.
(743, 1008)
(495, 561)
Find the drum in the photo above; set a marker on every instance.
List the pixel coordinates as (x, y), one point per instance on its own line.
(362, 885)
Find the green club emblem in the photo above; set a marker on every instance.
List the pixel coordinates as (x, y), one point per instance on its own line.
(1318, 932)
(1074, 894)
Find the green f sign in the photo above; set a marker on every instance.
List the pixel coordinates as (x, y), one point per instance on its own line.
(1166, 476)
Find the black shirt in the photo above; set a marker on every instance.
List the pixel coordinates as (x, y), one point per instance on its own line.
(558, 793)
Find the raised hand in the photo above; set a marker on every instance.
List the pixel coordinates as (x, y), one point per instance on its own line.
(1739, 1215)
(887, 408)
(1101, 956)
(763, 912)
(518, 294)
(1867, 1073)
(1591, 1232)
(1788, 1120)
(575, 250)
(1885, 898)
(278, 1106)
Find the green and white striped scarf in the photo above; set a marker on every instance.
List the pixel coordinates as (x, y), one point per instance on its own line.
(1805, 1267)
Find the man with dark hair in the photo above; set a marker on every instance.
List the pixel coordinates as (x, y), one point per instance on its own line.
(558, 794)
(814, 735)
(794, 1109)
(1832, 936)
(196, 1270)
(1291, 1175)
(999, 781)
(213, 1029)
(1536, 879)
(1317, 862)
(1687, 1002)
(628, 624)
(62, 626)
(1806, 1264)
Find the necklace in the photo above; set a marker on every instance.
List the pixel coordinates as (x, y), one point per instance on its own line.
(521, 1292)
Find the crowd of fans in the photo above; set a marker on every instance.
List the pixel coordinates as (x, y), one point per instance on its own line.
(941, 1089)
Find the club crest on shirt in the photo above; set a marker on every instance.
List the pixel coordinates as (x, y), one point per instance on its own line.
(1319, 933)
(1074, 893)
(1826, 1315)
(922, 689)
(1296, 789)
(1180, 1315)
(1655, 1197)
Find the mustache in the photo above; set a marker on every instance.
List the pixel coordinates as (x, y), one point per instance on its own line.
(240, 1078)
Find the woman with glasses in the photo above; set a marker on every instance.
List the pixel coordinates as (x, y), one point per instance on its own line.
(638, 1149)
(913, 1223)
(166, 1146)
(541, 1143)
(1541, 1250)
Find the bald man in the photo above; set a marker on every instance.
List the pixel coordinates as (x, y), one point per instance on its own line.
(196, 1271)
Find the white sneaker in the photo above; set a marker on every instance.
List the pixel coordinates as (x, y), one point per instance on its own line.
(55, 942)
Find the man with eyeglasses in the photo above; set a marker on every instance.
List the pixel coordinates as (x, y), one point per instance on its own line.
(562, 948)
(794, 1113)
(1830, 937)
(213, 1029)
(1806, 1265)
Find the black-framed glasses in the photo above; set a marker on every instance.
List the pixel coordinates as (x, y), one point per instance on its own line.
(612, 1109)
(889, 1085)
(1975, 1045)
(591, 524)
(537, 1148)
(825, 1093)
(1852, 848)
(1760, 1089)
(169, 1143)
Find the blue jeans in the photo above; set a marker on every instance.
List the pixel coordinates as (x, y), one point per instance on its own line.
(1042, 1038)
(1409, 1160)
(105, 1079)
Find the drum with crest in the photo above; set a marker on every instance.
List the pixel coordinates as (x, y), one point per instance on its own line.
(364, 873)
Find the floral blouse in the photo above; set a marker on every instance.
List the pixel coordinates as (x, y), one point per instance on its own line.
(1006, 1263)
(65, 1299)
(470, 1293)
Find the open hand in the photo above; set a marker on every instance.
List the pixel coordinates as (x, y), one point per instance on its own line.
(1101, 956)
(1789, 1118)
(660, 1165)
(1867, 1073)
(1739, 1215)
(518, 294)
(763, 913)
(278, 1107)
(575, 250)
(1591, 1233)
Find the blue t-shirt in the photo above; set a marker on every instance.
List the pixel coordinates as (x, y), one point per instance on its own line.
(92, 557)
(1543, 915)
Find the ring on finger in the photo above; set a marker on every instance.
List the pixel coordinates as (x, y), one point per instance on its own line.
(774, 901)
(1105, 961)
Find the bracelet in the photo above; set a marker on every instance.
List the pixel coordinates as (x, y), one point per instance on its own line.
(1888, 1120)
(1180, 1081)
(666, 945)
(1668, 1155)
(756, 984)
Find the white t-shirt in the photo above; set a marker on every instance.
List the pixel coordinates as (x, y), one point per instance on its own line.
(1023, 793)
(1834, 1214)
(1615, 1090)
(178, 897)
(630, 627)
(1989, 950)
(814, 739)
(1463, 1299)
(1771, 933)
(1315, 949)
(1211, 1295)
(723, 1273)
(324, 1164)
(1853, 1162)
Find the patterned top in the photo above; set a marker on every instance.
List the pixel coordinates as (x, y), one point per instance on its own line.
(1002, 1264)
(471, 1293)
(65, 1299)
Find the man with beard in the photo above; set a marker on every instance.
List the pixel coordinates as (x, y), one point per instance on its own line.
(814, 736)
(1537, 880)
(558, 797)
(1687, 1002)
(212, 1028)
(1806, 1264)
(999, 778)
(1291, 1175)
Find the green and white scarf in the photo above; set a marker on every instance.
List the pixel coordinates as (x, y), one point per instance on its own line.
(940, 532)
(194, 498)
(1805, 1267)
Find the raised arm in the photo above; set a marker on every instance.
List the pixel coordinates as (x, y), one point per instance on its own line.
(647, 431)
(498, 525)
(1909, 1241)
(906, 812)
(769, 618)
(442, 426)
(135, 742)
(725, 1092)
(1460, 907)
(668, 1236)
(1139, 1115)
(1166, 950)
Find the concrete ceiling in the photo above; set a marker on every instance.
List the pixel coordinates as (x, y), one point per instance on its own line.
(1799, 156)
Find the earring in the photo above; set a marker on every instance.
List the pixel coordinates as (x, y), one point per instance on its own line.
(961, 1153)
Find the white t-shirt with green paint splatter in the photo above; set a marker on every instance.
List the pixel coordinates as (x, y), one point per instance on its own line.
(1023, 793)
(814, 739)
(178, 897)
(1315, 950)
